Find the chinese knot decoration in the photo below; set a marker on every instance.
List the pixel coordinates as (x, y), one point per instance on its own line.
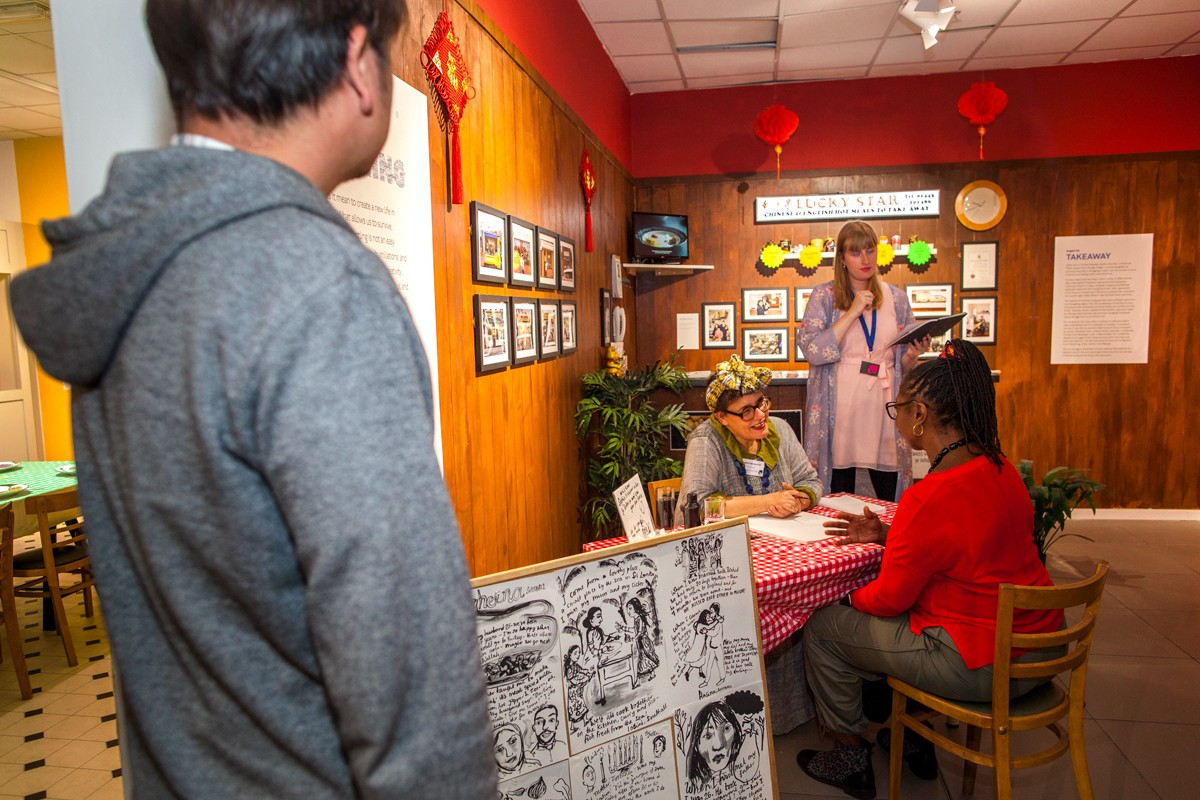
(447, 72)
(775, 125)
(981, 104)
(587, 176)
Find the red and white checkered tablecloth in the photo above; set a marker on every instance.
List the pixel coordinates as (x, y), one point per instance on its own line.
(794, 579)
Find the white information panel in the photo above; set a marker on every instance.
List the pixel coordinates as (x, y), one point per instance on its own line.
(1101, 299)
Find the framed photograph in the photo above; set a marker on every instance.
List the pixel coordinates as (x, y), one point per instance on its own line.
(524, 330)
(979, 261)
(764, 344)
(802, 294)
(566, 264)
(720, 327)
(935, 345)
(548, 325)
(547, 259)
(765, 305)
(931, 299)
(569, 326)
(493, 346)
(522, 237)
(605, 318)
(979, 326)
(489, 234)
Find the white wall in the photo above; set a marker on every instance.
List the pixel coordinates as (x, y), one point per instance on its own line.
(10, 200)
(112, 93)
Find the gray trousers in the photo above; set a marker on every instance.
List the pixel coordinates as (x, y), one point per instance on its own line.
(843, 647)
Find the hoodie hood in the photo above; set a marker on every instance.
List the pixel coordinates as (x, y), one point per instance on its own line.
(74, 311)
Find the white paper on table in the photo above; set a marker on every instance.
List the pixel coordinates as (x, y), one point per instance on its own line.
(687, 331)
(804, 527)
(634, 510)
(851, 505)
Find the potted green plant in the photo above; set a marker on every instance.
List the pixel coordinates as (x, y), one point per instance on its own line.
(623, 433)
(1061, 491)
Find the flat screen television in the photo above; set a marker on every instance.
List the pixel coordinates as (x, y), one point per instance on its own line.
(660, 237)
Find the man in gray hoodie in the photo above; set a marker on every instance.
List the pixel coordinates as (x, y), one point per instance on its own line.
(280, 567)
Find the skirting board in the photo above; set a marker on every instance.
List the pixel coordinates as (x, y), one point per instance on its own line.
(1144, 514)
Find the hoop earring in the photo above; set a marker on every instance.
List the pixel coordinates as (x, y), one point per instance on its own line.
(918, 432)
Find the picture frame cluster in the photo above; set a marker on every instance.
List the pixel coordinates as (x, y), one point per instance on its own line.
(518, 330)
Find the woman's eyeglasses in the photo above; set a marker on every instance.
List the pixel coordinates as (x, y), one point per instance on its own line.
(891, 407)
(747, 413)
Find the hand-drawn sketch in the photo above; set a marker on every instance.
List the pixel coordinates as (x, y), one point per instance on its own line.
(706, 654)
(721, 747)
(549, 783)
(640, 765)
(508, 747)
(548, 745)
(749, 709)
(638, 630)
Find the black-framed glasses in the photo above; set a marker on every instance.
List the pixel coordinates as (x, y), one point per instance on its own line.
(747, 413)
(891, 407)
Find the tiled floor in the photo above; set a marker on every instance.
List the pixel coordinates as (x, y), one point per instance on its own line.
(1143, 734)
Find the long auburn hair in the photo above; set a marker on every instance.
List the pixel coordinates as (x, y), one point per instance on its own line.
(854, 235)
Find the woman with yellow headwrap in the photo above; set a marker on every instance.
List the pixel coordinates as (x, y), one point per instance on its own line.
(743, 453)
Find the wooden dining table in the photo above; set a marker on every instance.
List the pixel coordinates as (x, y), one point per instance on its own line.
(36, 478)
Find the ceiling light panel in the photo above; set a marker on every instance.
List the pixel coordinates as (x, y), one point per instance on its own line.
(699, 33)
(634, 38)
(1145, 31)
(1022, 40)
(827, 27)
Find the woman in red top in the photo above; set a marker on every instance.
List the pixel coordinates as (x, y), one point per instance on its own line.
(929, 618)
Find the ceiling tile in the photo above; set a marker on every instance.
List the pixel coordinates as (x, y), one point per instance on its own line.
(1140, 7)
(730, 80)
(48, 78)
(823, 74)
(734, 62)
(21, 56)
(30, 26)
(618, 10)
(656, 86)
(951, 46)
(1190, 49)
(1054, 37)
(719, 9)
(13, 135)
(50, 110)
(633, 38)
(738, 31)
(827, 56)
(25, 119)
(48, 131)
(789, 7)
(20, 94)
(1119, 54)
(647, 68)
(980, 13)
(925, 68)
(1015, 62)
(825, 27)
(44, 38)
(1145, 31)
(1036, 12)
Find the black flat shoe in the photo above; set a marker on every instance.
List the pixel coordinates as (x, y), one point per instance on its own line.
(919, 753)
(847, 768)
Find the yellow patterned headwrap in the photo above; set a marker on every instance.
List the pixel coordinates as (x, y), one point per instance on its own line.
(735, 374)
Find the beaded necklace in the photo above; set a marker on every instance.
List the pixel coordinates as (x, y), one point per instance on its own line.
(946, 451)
(766, 477)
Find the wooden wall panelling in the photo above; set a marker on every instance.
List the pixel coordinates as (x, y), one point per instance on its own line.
(1127, 423)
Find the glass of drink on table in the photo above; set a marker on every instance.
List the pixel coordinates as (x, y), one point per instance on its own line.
(665, 499)
(714, 509)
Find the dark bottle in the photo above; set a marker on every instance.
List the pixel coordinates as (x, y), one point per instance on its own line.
(691, 511)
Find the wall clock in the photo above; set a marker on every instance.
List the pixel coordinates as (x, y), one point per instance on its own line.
(980, 205)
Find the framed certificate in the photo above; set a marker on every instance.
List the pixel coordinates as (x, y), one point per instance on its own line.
(979, 265)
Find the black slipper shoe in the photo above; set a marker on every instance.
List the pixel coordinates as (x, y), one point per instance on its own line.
(919, 753)
(847, 768)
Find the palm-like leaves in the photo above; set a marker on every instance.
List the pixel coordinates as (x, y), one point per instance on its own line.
(1062, 490)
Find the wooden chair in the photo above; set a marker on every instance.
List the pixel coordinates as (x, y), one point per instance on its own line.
(8, 611)
(63, 550)
(1042, 707)
(652, 489)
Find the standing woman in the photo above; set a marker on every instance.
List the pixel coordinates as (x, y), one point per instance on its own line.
(852, 373)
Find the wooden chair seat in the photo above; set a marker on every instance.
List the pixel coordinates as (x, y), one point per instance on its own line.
(1042, 707)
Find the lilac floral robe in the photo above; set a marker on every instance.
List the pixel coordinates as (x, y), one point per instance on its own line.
(820, 348)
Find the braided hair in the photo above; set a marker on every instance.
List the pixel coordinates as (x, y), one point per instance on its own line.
(957, 388)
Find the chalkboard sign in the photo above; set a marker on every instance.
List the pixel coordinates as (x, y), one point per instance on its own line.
(630, 673)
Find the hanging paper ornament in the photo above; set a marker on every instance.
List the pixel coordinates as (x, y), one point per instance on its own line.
(587, 176)
(810, 256)
(446, 70)
(771, 256)
(981, 104)
(919, 253)
(775, 125)
(885, 254)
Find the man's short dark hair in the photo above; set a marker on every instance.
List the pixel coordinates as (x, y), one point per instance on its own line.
(260, 59)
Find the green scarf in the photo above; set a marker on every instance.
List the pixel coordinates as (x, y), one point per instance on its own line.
(768, 448)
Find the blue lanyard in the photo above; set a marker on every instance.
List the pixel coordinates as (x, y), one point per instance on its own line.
(869, 334)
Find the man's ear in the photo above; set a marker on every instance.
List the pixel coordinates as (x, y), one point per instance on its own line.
(361, 63)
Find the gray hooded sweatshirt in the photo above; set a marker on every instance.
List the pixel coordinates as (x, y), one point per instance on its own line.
(279, 565)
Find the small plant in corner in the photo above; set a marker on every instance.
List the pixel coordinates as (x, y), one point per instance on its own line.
(1062, 490)
(623, 433)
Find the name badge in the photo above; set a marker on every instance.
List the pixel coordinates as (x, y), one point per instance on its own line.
(869, 368)
(754, 467)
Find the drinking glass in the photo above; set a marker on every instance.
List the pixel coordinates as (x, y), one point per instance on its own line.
(665, 498)
(714, 509)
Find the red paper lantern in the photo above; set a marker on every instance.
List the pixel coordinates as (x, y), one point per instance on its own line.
(981, 104)
(446, 70)
(587, 176)
(775, 125)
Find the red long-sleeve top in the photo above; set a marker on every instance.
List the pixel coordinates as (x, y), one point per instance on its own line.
(956, 537)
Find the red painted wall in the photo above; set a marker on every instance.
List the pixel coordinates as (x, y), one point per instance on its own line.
(1053, 112)
(559, 42)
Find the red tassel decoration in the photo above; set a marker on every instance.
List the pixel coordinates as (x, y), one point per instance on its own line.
(981, 104)
(587, 176)
(447, 72)
(775, 125)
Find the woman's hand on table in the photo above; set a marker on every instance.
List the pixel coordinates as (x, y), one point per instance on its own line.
(788, 502)
(864, 528)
